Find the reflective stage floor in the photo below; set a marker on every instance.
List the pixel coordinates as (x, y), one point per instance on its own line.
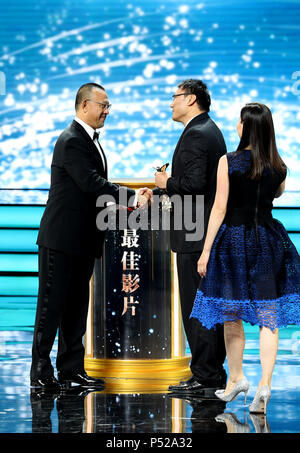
(101, 412)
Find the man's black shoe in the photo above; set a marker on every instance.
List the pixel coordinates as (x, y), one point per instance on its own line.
(188, 398)
(188, 382)
(82, 379)
(45, 384)
(196, 397)
(193, 387)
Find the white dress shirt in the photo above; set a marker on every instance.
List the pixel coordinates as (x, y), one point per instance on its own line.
(91, 132)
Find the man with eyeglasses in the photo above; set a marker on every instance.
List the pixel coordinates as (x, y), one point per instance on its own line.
(68, 243)
(194, 170)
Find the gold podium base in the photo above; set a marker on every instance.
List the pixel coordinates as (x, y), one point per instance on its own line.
(139, 375)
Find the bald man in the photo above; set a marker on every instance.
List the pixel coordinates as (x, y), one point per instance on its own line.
(68, 243)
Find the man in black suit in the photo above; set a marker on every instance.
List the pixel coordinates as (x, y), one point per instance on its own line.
(194, 170)
(69, 241)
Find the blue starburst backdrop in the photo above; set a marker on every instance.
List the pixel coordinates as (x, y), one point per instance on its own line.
(139, 51)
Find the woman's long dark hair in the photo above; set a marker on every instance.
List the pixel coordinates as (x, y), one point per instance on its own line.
(258, 134)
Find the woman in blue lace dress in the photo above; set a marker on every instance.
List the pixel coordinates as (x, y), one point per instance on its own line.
(250, 267)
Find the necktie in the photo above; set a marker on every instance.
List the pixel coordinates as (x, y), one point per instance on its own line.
(95, 136)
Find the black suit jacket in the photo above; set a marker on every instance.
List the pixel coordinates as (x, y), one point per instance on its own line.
(77, 179)
(194, 169)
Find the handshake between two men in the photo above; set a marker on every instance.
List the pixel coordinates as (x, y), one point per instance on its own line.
(145, 194)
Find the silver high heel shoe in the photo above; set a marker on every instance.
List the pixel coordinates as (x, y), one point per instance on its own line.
(261, 399)
(241, 386)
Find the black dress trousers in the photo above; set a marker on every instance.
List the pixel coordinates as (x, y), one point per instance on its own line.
(207, 346)
(62, 305)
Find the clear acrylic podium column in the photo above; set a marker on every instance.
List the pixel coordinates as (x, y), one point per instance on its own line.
(135, 338)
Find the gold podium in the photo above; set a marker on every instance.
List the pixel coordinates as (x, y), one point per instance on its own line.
(135, 338)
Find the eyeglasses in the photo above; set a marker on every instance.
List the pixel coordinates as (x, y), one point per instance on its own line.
(181, 94)
(106, 106)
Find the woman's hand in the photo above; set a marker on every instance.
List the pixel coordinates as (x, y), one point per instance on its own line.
(202, 263)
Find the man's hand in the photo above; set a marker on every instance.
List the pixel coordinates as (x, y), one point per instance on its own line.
(144, 197)
(161, 178)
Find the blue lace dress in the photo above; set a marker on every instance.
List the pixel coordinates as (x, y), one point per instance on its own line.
(253, 272)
